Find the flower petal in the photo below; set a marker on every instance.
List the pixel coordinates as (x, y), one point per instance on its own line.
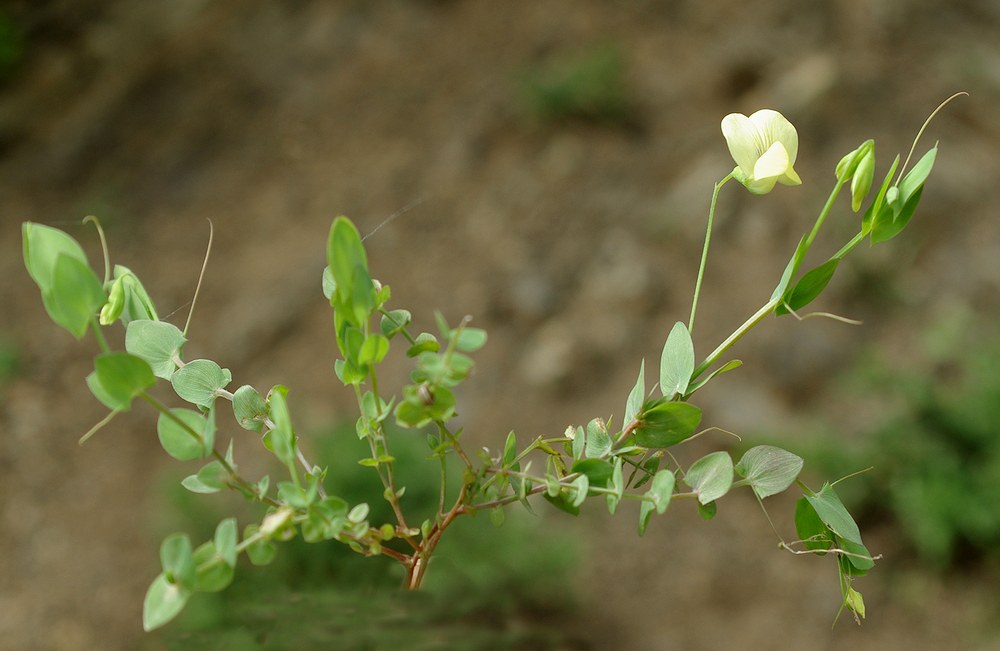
(760, 186)
(776, 128)
(790, 177)
(741, 136)
(772, 164)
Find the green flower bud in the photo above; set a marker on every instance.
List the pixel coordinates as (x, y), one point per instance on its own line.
(137, 303)
(116, 303)
(862, 181)
(849, 164)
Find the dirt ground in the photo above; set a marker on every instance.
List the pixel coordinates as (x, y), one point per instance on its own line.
(574, 243)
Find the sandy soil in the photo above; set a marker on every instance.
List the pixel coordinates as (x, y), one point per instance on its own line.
(573, 243)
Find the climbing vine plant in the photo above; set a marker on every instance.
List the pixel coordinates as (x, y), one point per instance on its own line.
(613, 460)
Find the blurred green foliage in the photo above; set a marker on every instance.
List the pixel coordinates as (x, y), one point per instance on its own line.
(11, 45)
(10, 359)
(585, 85)
(935, 450)
(490, 589)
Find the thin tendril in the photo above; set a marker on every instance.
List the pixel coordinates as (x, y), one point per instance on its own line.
(921, 132)
(90, 219)
(201, 276)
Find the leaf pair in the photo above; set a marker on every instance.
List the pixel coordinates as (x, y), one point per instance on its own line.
(209, 568)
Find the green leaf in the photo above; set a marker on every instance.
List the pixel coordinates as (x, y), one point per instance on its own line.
(579, 441)
(344, 254)
(666, 423)
(354, 294)
(509, 450)
(833, 513)
(199, 381)
(294, 495)
(809, 287)
(42, 246)
(393, 321)
(359, 513)
(192, 440)
(157, 342)
(662, 489)
(194, 484)
(442, 324)
(470, 339)
(768, 469)
(71, 292)
(118, 378)
(75, 296)
(329, 284)
(598, 440)
(859, 557)
(164, 600)
(281, 439)
(424, 342)
(581, 485)
(915, 178)
(326, 520)
(213, 574)
(617, 483)
(876, 205)
(711, 476)
(262, 551)
(725, 368)
(636, 396)
(676, 362)
(649, 466)
(791, 268)
(362, 296)
(562, 502)
(598, 471)
(373, 350)
(249, 408)
(212, 478)
(901, 201)
(810, 528)
(646, 510)
(177, 560)
(226, 535)
(892, 219)
(707, 511)
(497, 516)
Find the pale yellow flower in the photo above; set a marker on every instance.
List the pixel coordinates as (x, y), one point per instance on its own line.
(764, 147)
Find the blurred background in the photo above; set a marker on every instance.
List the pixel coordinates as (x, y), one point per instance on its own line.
(549, 166)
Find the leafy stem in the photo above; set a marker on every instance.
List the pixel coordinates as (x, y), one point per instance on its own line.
(236, 478)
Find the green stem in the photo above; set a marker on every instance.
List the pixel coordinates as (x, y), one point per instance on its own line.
(704, 251)
(747, 326)
(459, 450)
(850, 245)
(102, 343)
(822, 215)
(377, 443)
(771, 305)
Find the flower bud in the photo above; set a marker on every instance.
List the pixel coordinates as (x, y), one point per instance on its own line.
(276, 520)
(116, 303)
(862, 181)
(849, 164)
